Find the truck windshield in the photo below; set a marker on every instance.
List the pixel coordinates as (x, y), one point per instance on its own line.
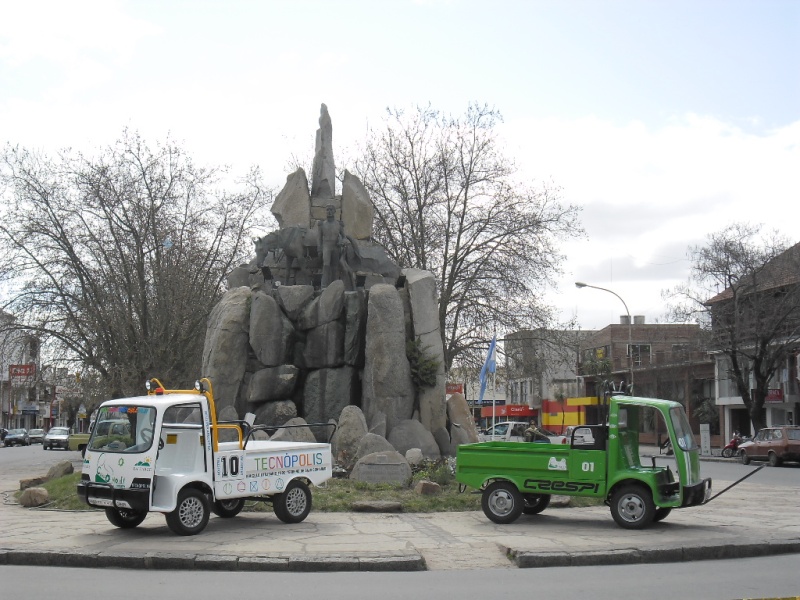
(123, 429)
(683, 432)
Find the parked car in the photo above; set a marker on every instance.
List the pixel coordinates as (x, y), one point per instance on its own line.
(775, 444)
(57, 437)
(514, 431)
(582, 437)
(36, 436)
(17, 437)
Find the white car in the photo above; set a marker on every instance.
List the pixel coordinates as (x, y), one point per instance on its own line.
(514, 431)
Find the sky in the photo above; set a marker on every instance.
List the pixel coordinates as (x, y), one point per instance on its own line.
(664, 121)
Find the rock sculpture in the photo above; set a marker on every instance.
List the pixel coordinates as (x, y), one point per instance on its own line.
(328, 343)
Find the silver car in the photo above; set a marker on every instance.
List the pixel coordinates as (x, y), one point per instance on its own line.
(57, 437)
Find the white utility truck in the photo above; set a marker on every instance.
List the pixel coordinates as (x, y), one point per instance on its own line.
(169, 459)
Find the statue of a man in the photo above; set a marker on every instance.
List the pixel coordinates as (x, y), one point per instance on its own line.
(330, 241)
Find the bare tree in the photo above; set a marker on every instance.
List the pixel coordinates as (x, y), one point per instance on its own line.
(117, 260)
(446, 201)
(744, 289)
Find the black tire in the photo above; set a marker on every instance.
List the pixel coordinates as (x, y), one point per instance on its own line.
(745, 458)
(228, 508)
(533, 504)
(727, 452)
(191, 513)
(661, 514)
(44, 447)
(632, 507)
(294, 504)
(774, 460)
(124, 518)
(502, 503)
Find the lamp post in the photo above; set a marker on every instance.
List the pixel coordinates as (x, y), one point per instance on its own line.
(580, 284)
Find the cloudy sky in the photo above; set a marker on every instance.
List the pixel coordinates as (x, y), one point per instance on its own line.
(663, 120)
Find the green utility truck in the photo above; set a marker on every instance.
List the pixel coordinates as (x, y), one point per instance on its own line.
(598, 461)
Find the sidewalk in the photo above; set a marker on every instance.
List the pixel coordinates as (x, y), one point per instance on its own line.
(738, 524)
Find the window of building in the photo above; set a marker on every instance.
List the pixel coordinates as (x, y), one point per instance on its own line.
(640, 353)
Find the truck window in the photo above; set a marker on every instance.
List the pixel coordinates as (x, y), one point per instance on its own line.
(183, 414)
(683, 432)
(123, 429)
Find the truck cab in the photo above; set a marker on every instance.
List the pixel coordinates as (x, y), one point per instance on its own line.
(166, 452)
(601, 461)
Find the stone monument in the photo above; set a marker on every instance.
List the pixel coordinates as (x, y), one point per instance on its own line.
(331, 346)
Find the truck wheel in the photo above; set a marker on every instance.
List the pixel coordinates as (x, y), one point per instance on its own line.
(294, 504)
(228, 508)
(502, 502)
(727, 452)
(632, 507)
(124, 518)
(774, 460)
(661, 514)
(535, 503)
(745, 458)
(191, 514)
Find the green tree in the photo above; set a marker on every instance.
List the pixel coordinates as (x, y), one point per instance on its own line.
(447, 200)
(117, 259)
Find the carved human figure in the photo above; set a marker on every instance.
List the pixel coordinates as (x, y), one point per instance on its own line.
(330, 240)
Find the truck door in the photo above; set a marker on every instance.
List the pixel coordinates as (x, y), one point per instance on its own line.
(181, 452)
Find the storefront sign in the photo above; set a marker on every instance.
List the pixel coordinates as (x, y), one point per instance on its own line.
(510, 410)
(774, 396)
(21, 374)
(454, 388)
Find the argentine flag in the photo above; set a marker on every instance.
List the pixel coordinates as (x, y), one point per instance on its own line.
(488, 367)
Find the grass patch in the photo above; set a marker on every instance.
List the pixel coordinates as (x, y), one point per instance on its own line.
(338, 495)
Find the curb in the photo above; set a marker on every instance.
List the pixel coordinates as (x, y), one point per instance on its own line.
(524, 559)
(211, 562)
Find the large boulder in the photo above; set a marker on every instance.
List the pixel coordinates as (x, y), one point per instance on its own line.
(412, 434)
(294, 298)
(382, 467)
(327, 392)
(292, 205)
(272, 383)
(60, 469)
(34, 496)
(355, 319)
(275, 413)
(294, 433)
(462, 425)
(325, 308)
(323, 171)
(425, 324)
(324, 346)
(351, 428)
(226, 345)
(271, 332)
(387, 386)
(357, 210)
(371, 443)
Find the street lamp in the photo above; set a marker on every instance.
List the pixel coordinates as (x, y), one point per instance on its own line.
(580, 284)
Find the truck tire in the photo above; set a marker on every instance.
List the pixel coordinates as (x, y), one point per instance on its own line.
(191, 513)
(124, 518)
(632, 507)
(661, 514)
(228, 508)
(294, 504)
(535, 503)
(502, 503)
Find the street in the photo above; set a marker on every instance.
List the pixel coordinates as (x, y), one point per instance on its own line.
(771, 577)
